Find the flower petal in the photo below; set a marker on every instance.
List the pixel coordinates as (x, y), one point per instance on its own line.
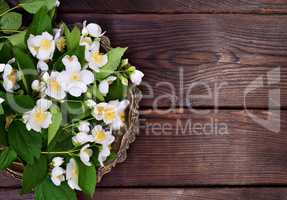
(104, 87)
(42, 66)
(87, 76)
(44, 104)
(94, 30)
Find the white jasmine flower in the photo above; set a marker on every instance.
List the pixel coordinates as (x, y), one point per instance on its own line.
(92, 29)
(58, 175)
(95, 59)
(82, 138)
(86, 41)
(72, 174)
(54, 87)
(10, 78)
(105, 84)
(42, 66)
(84, 127)
(2, 66)
(101, 136)
(114, 113)
(85, 155)
(136, 77)
(75, 80)
(57, 33)
(39, 117)
(38, 86)
(104, 154)
(11, 61)
(57, 3)
(42, 46)
(90, 103)
(57, 161)
(98, 110)
(1, 100)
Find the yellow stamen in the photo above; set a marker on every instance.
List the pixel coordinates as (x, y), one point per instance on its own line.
(99, 110)
(110, 114)
(98, 57)
(55, 86)
(75, 76)
(61, 44)
(40, 116)
(13, 77)
(46, 44)
(101, 136)
(123, 116)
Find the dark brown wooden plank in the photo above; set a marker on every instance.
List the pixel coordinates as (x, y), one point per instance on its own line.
(224, 52)
(6, 180)
(14, 194)
(194, 194)
(167, 154)
(174, 6)
(170, 194)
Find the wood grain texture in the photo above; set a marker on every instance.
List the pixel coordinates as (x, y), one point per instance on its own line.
(181, 149)
(191, 194)
(223, 52)
(175, 6)
(6, 180)
(169, 194)
(14, 194)
(166, 155)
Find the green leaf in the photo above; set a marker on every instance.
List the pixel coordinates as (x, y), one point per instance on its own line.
(48, 191)
(117, 90)
(76, 110)
(11, 21)
(96, 93)
(114, 60)
(79, 52)
(124, 80)
(62, 141)
(18, 39)
(1, 110)
(56, 123)
(6, 158)
(20, 103)
(73, 38)
(34, 174)
(27, 66)
(113, 156)
(41, 22)
(26, 143)
(3, 6)
(3, 132)
(6, 52)
(87, 178)
(33, 6)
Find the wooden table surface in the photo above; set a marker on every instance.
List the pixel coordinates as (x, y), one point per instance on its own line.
(233, 50)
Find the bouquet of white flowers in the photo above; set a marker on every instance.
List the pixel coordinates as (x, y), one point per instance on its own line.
(64, 98)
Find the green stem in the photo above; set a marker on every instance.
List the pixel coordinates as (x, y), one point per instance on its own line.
(61, 152)
(76, 101)
(76, 123)
(4, 13)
